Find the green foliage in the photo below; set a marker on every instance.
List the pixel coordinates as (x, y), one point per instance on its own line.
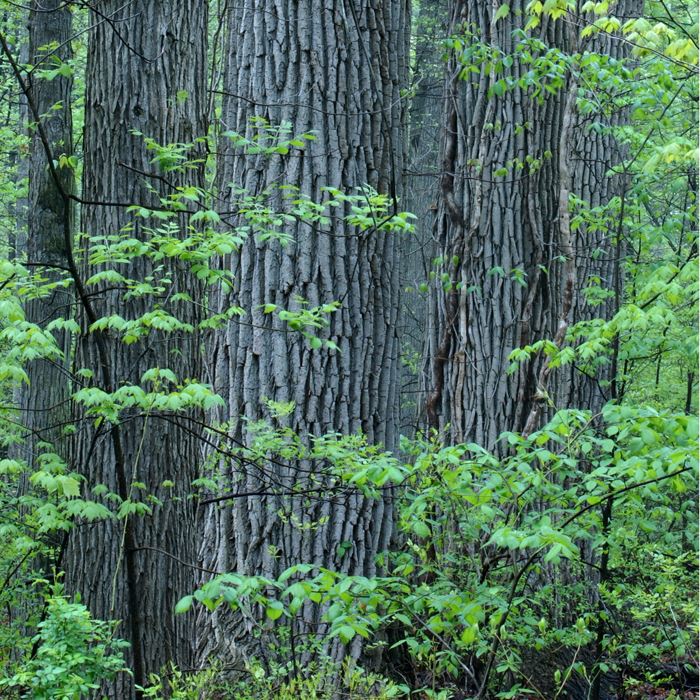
(496, 556)
(174, 684)
(75, 653)
(544, 69)
(480, 529)
(158, 269)
(321, 681)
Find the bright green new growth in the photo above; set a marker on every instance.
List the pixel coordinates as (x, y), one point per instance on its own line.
(75, 653)
(478, 528)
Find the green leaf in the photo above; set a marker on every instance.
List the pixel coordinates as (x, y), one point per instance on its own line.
(184, 604)
(502, 12)
(274, 610)
(69, 486)
(421, 529)
(346, 633)
(469, 634)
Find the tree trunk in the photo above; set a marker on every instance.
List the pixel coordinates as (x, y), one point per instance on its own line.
(505, 274)
(496, 234)
(44, 402)
(599, 255)
(430, 28)
(513, 267)
(146, 71)
(43, 223)
(335, 68)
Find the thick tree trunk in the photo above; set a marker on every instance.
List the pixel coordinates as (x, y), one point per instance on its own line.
(335, 68)
(513, 267)
(496, 234)
(147, 72)
(505, 276)
(599, 255)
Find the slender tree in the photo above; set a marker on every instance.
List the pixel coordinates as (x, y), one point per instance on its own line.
(429, 26)
(43, 225)
(49, 214)
(146, 76)
(335, 69)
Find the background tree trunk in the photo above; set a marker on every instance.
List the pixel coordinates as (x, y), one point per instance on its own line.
(600, 255)
(147, 72)
(335, 68)
(430, 29)
(43, 220)
(49, 219)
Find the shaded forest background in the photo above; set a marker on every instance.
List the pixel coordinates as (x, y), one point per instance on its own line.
(349, 349)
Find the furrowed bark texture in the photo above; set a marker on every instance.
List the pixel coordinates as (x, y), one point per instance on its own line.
(599, 255)
(491, 225)
(45, 401)
(139, 59)
(504, 280)
(335, 68)
(496, 234)
(42, 220)
(17, 164)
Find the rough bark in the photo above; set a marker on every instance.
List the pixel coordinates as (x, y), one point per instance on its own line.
(496, 235)
(507, 262)
(599, 255)
(44, 402)
(146, 71)
(430, 28)
(42, 218)
(335, 68)
(491, 225)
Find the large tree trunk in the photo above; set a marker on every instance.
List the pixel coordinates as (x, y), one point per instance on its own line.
(335, 68)
(512, 271)
(146, 71)
(496, 234)
(593, 154)
(513, 267)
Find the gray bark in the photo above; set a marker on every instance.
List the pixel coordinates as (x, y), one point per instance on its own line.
(44, 402)
(599, 255)
(336, 68)
(505, 277)
(136, 569)
(489, 226)
(43, 221)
